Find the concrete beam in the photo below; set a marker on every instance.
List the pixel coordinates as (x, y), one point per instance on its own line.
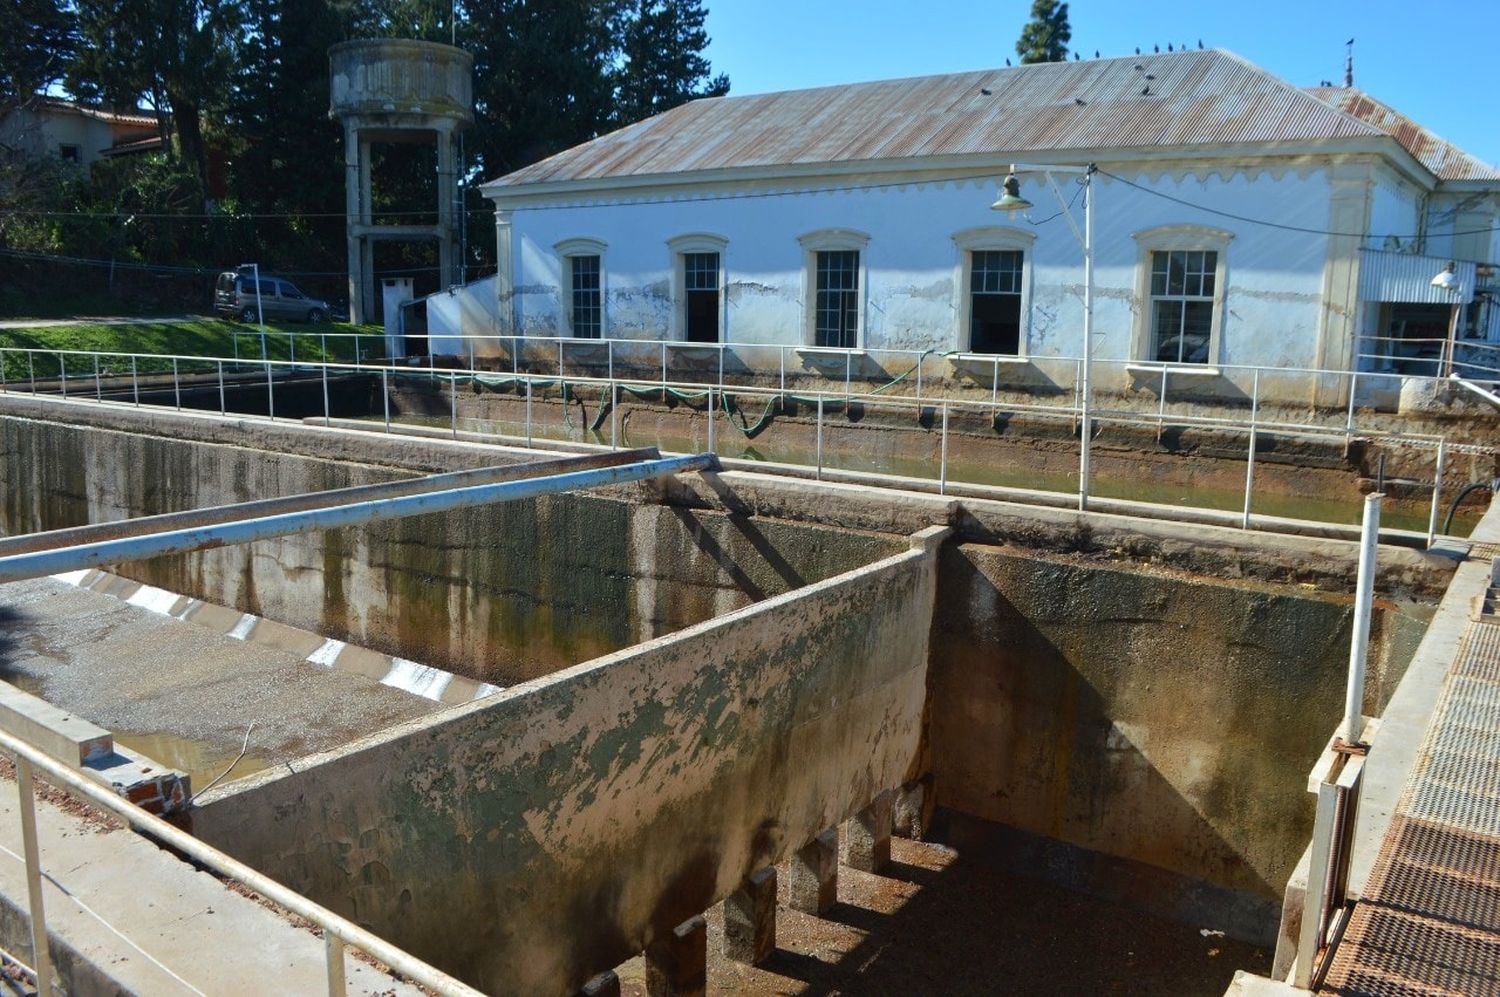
(813, 875)
(69, 739)
(677, 964)
(866, 841)
(750, 918)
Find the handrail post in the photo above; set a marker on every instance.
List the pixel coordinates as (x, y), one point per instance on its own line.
(848, 373)
(31, 369)
(385, 395)
(1437, 490)
(1250, 459)
(664, 367)
(41, 956)
(453, 399)
(711, 420)
(819, 472)
(333, 948)
(326, 406)
(1349, 419)
(721, 366)
(4, 384)
(528, 411)
(1364, 599)
(176, 386)
(559, 358)
(609, 353)
(614, 416)
(270, 393)
(62, 372)
(135, 380)
(1161, 404)
(781, 366)
(943, 459)
(98, 387)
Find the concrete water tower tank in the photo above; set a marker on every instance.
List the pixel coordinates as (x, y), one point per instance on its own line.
(395, 90)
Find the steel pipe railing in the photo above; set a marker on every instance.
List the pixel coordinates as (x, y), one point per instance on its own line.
(333, 925)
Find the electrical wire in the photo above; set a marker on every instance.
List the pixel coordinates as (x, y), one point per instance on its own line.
(169, 268)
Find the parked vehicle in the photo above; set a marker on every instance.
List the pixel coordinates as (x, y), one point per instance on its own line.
(280, 301)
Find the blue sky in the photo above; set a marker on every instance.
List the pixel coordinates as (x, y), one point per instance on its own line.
(1434, 62)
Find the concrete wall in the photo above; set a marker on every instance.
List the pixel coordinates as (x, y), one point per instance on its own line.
(1151, 715)
(536, 838)
(499, 594)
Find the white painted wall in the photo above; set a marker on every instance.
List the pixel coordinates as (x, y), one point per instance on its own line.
(1271, 305)
(459, 311)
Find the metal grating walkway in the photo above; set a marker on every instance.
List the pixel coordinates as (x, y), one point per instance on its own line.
(1429, 922)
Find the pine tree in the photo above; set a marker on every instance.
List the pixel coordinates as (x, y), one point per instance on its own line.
(1045, 37)
(37, 48)
(662, 44)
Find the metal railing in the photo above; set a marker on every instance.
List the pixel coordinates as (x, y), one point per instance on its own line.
(719, 395)
(338, 932)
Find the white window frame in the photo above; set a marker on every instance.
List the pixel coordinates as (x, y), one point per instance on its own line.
(990, 238)
(832, 240)
(695, 242)
(566, 250)
(1179, 238)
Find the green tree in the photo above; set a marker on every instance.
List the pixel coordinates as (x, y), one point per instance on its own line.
(178, 55)
(36, 49)
(662, 43)
(542, 77)
(1045, 37)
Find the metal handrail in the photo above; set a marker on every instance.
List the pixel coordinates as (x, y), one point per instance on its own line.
(338, 931)
(611, 387)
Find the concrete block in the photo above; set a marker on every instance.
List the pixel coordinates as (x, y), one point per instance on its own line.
(912, 810)
(151, 786)
(750, 918)
(866, 842)
(677, 964)
(56, 732)
(606, 984)
(813, 875)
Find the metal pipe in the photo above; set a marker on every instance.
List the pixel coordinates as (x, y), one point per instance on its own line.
(1488, 396)
(528, 413)
(943, 459)
(1364, 598)
(1088, 335)
(385, 396)
(1437, 491)
(176, 386)
(41, 956)
(820, 436)
(74, 535)
(710, 420)
(94, 555)
(333, 950)
(135, 383)
(1250, 459)
(223, 408)
(326, 412)
(173, 837)
(453, 401)
(98, 385)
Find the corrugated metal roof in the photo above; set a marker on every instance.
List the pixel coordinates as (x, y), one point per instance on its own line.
(1399, 277)
(1446, 160)
(1181, 99)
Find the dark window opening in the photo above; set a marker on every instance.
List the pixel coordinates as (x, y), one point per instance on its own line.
(701, 284)
(995, 301)
(836, 308)
(70, 153)
(587, 311)
(1182, 305)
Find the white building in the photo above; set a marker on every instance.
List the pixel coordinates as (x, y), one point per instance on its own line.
(75, 133)
(1239, 220)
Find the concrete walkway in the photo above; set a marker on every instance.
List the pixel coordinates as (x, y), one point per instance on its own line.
(125, 916)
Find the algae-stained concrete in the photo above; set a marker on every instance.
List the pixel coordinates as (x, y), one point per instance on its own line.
(501, 594)
(1146, 714)
(536, 838)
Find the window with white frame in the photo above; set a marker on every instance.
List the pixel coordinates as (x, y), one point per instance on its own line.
(698, 287)
(992, 281)
(1182, 304)
(583, 286)
(1181, 284)
(835, 280)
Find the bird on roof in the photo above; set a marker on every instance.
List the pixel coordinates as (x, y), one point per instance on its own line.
(1169, 46)
(1156, 48)
(1200, 43)
(1137, 50)
(1076, 57)
(985, 90)
(1007, 62)
(1096, 53)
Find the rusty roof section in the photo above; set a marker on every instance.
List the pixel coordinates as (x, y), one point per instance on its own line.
(1446, 160)
(1198, 98)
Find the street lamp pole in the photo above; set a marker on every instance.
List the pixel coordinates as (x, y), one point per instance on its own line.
(1010, 200)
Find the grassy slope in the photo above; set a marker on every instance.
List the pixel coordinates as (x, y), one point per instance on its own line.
(198, 338)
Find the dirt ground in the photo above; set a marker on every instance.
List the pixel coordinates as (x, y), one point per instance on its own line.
(934, 924)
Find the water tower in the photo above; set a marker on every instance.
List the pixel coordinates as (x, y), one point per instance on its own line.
(396, 90)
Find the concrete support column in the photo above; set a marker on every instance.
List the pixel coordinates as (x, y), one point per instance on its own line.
(447, 192)
(505, 277)
(866, 841)
(813, 875)
(606, 984)
(352, 185)
(677, 964)
(750, 918)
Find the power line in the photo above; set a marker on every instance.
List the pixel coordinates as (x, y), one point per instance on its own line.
(188, 271)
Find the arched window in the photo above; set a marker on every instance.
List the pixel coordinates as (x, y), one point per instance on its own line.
(698, 287)
(1180, 284)
(994, 289)
(834, 278)
(582, 270)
